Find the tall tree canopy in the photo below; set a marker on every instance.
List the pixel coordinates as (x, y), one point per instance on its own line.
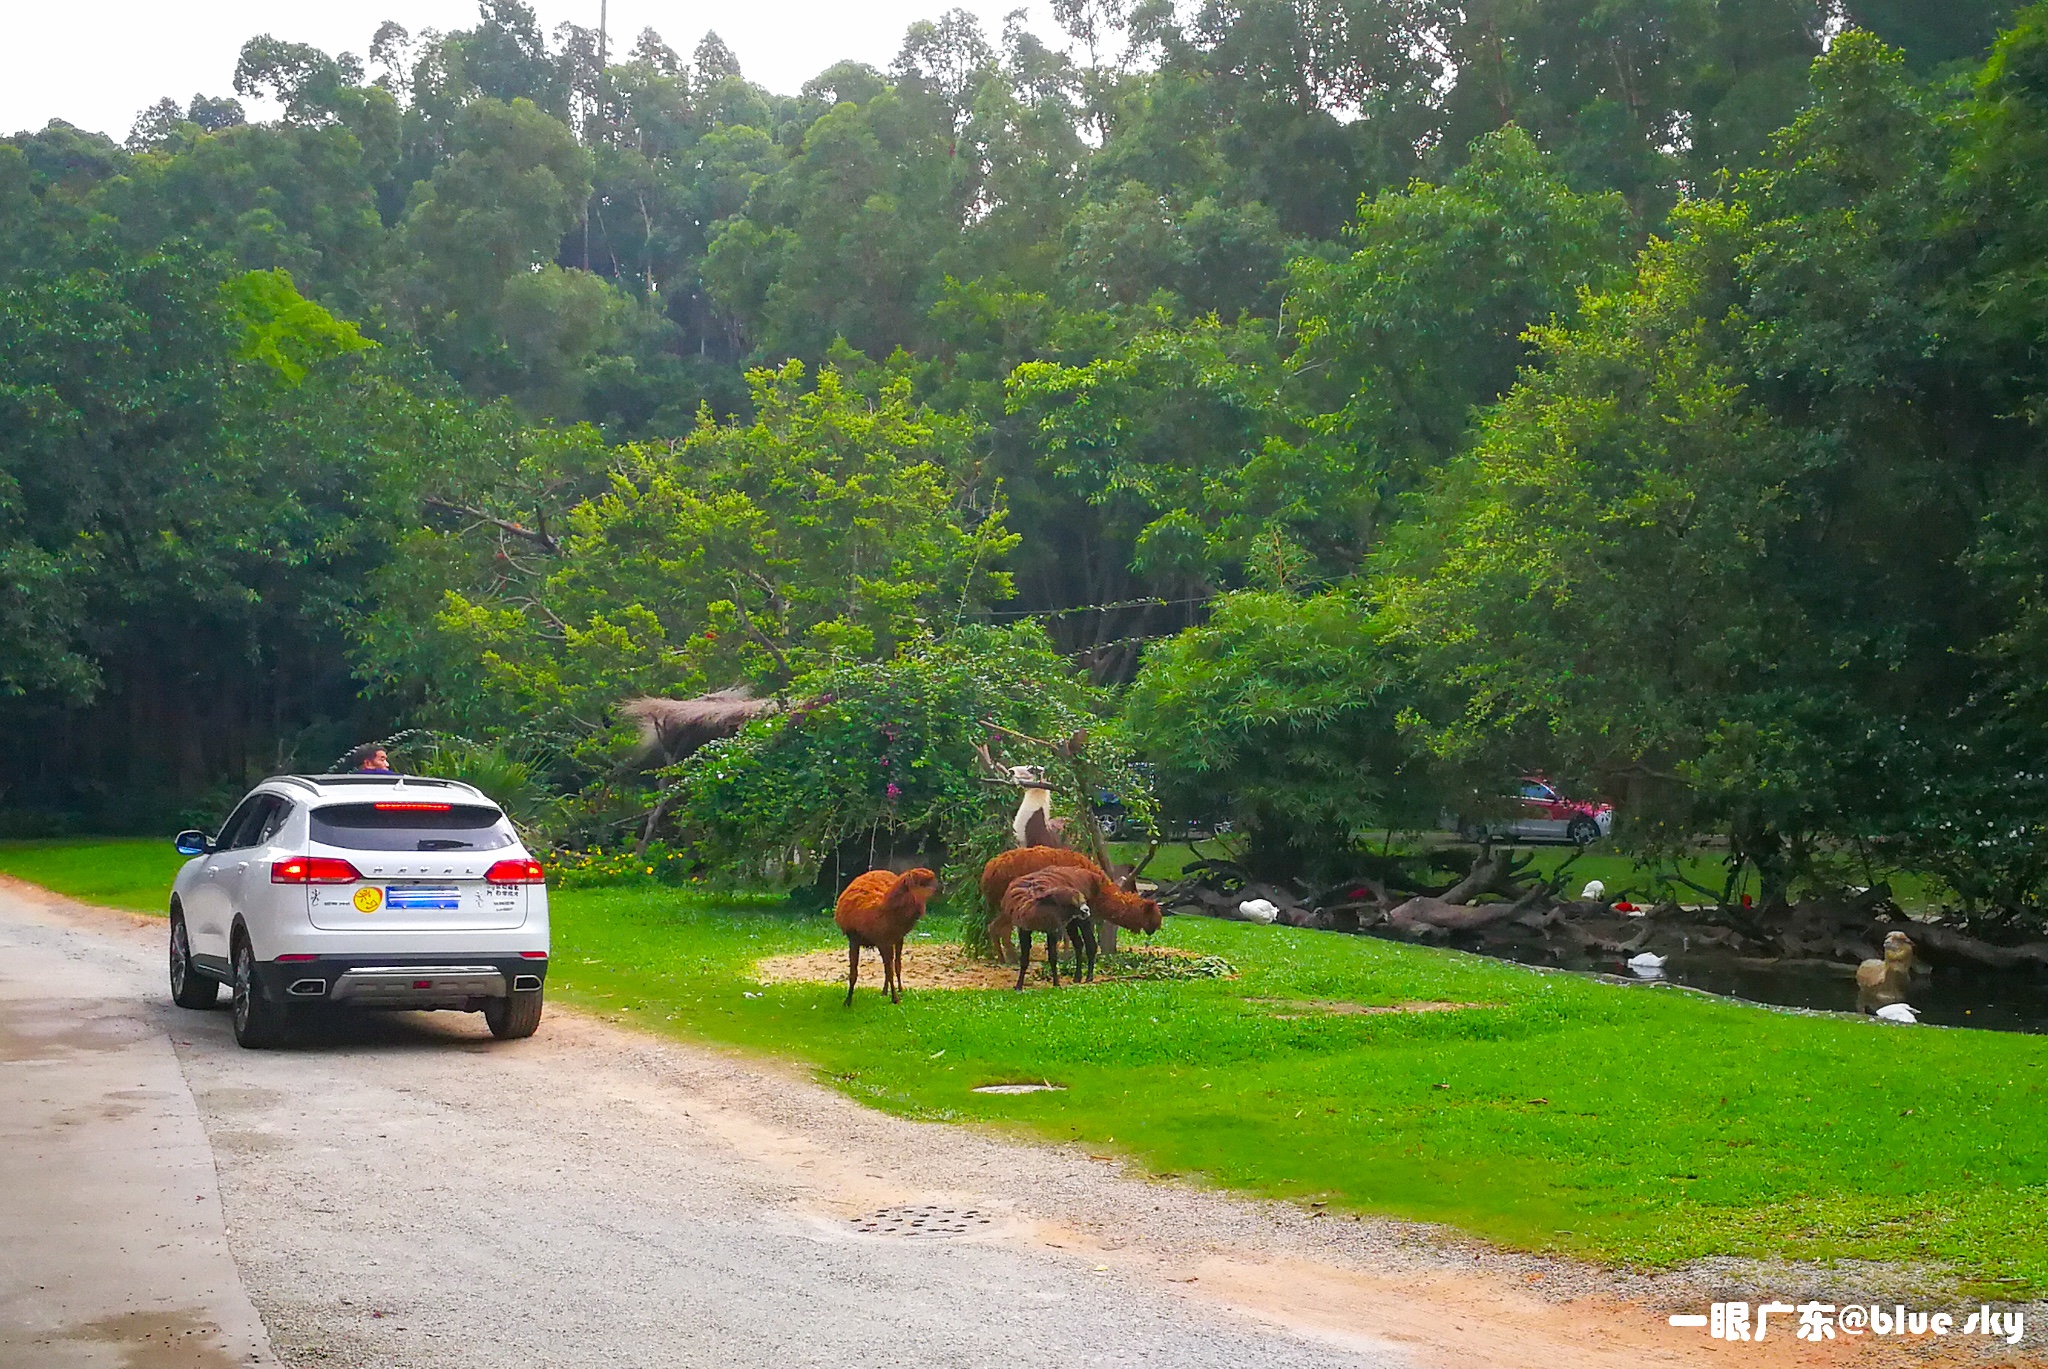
(1392, 394)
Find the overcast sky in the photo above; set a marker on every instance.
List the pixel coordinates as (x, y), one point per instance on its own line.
(95, 63)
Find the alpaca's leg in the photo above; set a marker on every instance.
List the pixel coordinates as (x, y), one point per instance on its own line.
(1023, 956)
(1084, 943)
(1052, 954)
(896, 970)
(852, 968)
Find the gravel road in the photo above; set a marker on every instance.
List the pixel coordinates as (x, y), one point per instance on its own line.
(403, 1191)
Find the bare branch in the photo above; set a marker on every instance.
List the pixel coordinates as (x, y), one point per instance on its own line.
(541, 538)
(747, 622)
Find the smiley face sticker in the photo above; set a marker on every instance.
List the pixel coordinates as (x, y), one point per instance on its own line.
(369, 900)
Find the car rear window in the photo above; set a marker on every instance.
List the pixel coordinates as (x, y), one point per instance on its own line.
(412, 826)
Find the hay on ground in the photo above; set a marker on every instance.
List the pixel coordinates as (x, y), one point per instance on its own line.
(944, 965)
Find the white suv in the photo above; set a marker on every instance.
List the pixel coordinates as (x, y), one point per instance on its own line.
(367, 891)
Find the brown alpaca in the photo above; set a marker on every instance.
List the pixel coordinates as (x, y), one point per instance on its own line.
(1880, 983)
(1106, 901)
(1132, 912)
(1052, 901)
(878, 909)
(996, 877)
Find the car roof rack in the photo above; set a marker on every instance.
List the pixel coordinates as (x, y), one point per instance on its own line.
(318, 783)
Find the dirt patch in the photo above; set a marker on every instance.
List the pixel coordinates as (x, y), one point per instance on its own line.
(947, 966)
(78, 914)
(1309, 1007)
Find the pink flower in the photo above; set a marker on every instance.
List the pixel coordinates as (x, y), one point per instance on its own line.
(894, 792)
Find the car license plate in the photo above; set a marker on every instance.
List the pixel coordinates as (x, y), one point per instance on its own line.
(422, 898)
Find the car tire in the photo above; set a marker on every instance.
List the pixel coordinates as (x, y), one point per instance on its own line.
(259, 1023)
(189, 988)
(1582, 832)
(514, 1017)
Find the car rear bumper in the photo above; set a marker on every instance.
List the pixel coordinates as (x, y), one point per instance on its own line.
(418, 982)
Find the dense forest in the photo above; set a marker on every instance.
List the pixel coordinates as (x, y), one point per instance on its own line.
(1346, 406)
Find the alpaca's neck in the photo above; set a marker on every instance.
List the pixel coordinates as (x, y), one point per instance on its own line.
(1037, 801)
(902, 897)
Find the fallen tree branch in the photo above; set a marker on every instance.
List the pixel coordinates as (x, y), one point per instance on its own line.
(1940, 943)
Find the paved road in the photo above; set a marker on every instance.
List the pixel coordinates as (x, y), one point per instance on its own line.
(404, 1191)
(115, 1250)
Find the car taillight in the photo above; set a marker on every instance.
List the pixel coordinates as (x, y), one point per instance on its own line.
(411, 807)
(313, 870)
(533, 955)
(515, 872)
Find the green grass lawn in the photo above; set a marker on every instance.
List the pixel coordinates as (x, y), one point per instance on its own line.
(132, 873)
(1631, 1124)
(1627, 1124)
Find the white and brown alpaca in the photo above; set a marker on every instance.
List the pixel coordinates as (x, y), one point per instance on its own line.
(1052, 901)
(1034, 824)
(878, 909)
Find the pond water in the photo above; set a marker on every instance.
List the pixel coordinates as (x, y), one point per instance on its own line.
(1989, 999)
(1995, 1000)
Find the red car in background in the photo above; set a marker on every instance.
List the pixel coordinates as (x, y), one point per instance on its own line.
(1545, 815)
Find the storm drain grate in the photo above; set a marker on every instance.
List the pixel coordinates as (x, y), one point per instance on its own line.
(929, 1222)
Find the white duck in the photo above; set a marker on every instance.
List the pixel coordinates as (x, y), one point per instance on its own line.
(1905, 1014)
(1594, 891)
(1260, 910)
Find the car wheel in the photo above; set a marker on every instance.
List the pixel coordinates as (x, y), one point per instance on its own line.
(1582, 832)
(515, 1016)
(259, 1023)
(189, 988)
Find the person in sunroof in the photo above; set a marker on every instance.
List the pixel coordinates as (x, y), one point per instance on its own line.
(378, 763)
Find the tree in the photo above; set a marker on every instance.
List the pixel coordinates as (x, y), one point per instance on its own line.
(825, 528)
(880, 755)
(1176, 446)
(1281, 711)
(495, 210)
(1401, 343)
(1642, 97)
(197, 468)
(1598, 582)
(1935, 35)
